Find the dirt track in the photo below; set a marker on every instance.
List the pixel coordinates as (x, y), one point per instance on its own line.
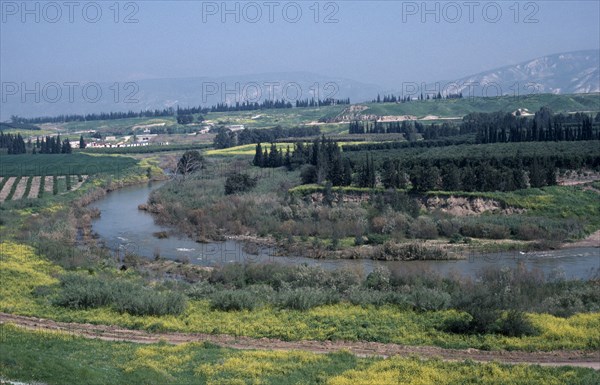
(113, 333)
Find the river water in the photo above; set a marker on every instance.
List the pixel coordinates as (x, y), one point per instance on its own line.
(125, 229)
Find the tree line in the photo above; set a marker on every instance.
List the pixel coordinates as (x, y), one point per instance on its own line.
(321, 161)
(391, 98)
(542, 127)
(495, 127)
(95, 116)
(13, 142)
(226, 138)
(321, 102)
(53, 145)
(48, 145)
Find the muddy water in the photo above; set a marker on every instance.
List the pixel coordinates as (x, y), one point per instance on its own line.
(124, 228)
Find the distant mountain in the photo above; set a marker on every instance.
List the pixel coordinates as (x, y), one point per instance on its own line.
(563, 73)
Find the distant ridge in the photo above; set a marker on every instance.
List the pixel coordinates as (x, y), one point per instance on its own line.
(561, 73)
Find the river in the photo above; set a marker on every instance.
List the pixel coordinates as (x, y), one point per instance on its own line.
(125, 229)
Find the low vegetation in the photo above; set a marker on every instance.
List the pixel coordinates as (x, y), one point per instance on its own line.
(298, 303)
(63, 359)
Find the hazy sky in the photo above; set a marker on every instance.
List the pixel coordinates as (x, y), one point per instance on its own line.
(382, 42)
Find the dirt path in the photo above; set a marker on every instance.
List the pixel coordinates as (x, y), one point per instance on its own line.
(592, 241)
(114, 333)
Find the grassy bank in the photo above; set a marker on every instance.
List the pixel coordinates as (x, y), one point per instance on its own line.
(57, 358)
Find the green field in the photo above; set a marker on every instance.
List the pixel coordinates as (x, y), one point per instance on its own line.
(116, 124)
(462, 107)
(285, 117)
(62, 164)
(584, 149)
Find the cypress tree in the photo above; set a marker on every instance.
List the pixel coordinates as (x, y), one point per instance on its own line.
(258, 156)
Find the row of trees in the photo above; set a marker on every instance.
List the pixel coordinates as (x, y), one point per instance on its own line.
(249, 106)
(53, 145)
(226, 138)
(48, 145)
(474, 175)
(322, 162)
(187, 119)
(13, 142)
(323, 158)
(99, 116)
(496, 127)
(544, 126)
(408, 128)
(321, 102)
(403, 99)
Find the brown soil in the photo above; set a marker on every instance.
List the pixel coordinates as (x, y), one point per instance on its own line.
(6, 190)
(114, 333)
(461, 206)
(35, 187)
(20, 190)
(48, 183)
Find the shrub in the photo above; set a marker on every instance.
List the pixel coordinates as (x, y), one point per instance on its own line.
(516, 324)
(233, 300)
(424, 228)
(200, 290)
(85, 292)
(230, 275)
(80, 292)
(308, 174)
(238, 183)
(485, 230)
(425, 299)
(379, 278)
(139, 300)
(408, 252)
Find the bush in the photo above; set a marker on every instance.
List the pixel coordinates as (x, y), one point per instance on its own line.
(379, 278)
(86, 292)
(230, 275)
(516, 324)
(139, 300)
(408, 252)
(485, 230)
(79, 292)
(238, 183)
(308, 174)
(200, 290)
(423, 228)
(233, 300)
(425, 299)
